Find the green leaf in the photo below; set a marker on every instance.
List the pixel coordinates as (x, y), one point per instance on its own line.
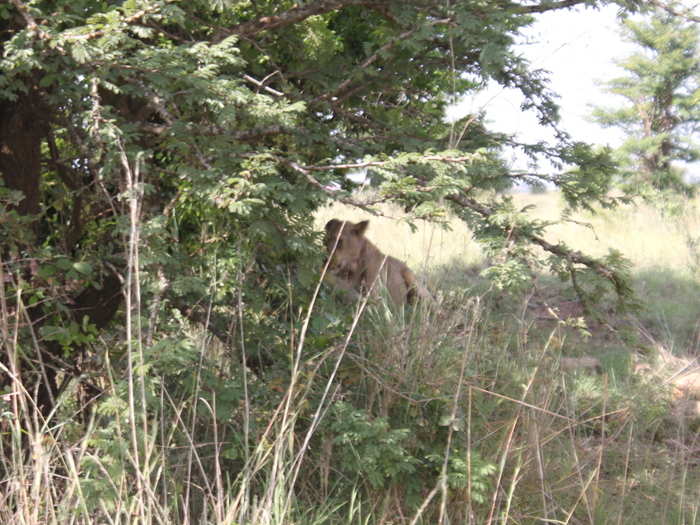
(83, 267)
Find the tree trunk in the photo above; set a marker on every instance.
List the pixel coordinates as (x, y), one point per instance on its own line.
(23, 126)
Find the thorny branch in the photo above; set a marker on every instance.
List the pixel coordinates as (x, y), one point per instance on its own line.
(367, 206)
(24, 11)
(544, 6)
(386, 47)
(463, 200)
(299, 13)
(292, 16)
(686, 14)
(261, 84)
(573, 256)
(369, 164)
(32, 25)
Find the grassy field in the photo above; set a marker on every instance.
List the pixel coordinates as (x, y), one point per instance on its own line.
(478, 408)
(648, 236)
(635, 457)
(662, 244)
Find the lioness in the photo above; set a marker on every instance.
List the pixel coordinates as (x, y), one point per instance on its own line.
(357, 266)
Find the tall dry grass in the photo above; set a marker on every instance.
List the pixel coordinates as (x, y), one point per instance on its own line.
(649, 236)
(429, 246)
(561, 447)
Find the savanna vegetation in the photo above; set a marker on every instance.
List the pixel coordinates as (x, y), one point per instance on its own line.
(660, 114)
(170, 353)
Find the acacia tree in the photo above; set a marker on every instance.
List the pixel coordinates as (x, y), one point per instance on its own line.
(161, 161)
(661, 90)
(212, 131)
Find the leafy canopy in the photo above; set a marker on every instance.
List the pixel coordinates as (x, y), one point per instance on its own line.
(207, 133)
(160, 165)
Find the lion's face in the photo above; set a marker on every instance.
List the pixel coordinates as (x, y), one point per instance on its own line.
(345, 259)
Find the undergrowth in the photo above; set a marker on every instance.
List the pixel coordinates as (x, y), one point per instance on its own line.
(471, 408)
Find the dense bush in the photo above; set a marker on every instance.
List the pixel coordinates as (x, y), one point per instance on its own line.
(168, 353)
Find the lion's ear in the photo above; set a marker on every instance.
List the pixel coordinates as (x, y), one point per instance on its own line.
(360, 228)
(332, 225)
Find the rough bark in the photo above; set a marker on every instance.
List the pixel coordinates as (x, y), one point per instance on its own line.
(23, 126)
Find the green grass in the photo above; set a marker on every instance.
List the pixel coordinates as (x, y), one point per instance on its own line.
(626, 459)
(649, 237)
(455, 411)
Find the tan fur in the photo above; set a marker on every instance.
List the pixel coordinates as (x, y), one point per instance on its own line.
(357, 266)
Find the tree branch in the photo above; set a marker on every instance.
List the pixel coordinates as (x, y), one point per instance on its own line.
(545, 6)
(573, 256)
(33, 26)
(369, 164)
(292, 16)
(671, 8)
(24, 11)
(100, 32)
(375, 56)
(462, 200)
(367, 206)
(261, 84)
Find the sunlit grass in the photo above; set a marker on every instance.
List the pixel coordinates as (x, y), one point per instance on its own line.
(648, 237)
(430, 245)
(487, 389)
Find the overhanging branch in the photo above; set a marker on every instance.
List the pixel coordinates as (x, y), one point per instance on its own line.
(464, 201)
(344, 86)
(292, 16)
(572, 256)
(545, 6)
